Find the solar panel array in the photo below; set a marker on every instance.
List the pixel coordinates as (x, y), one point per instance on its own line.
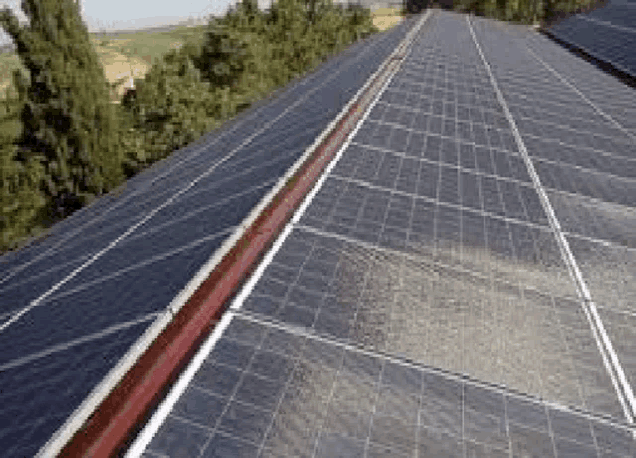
(608, 33)
(422, 304)
(579, 131)
(74, 303)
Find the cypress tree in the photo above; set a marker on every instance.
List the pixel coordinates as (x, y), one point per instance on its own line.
(68, 121)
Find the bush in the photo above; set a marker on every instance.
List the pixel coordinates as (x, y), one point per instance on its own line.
(171, 108)
(21, 199)
(223, 55)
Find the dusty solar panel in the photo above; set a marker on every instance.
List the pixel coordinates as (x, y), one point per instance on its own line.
(421, 303)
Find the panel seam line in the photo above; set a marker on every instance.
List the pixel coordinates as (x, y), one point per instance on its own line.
(623, 389)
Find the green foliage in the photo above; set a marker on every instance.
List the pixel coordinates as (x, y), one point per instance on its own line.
(521, 11)
(360, 22)
(70, 144)
(223, 55)
(172, 107)
(66, 115)
(21, 200)
(245, 17)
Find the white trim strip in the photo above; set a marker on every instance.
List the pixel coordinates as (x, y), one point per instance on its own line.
(612, 364)
(149, 431)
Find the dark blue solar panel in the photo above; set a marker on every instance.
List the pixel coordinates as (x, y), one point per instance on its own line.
(608, 34)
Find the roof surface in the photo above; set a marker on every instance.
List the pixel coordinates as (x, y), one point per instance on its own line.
(432, 297)
(74, 303)
(459, 282)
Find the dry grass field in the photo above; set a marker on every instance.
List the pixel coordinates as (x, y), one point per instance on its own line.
(122, 55)
(385, 18)
(133, 53)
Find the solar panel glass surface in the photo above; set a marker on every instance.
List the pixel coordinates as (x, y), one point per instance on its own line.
(607, 33)
(148, 243)
(421, 304)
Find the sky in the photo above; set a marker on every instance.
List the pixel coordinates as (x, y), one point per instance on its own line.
(134, 14)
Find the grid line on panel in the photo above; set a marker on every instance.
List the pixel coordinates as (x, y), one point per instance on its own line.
(581, 65)
(592, 184)
(367, 276)
(606, 243)
(545, 105)
(235, 389)
(613, 367)
(433, 93)
(374, 410)
(137, 236)
(592, 199)
(582, 168)
(429, 60)
(78, 341)
(347, 345)
(438, 202)
(145, 262)
(191, 422)
(429, 133)
(551, 431)
(568, 128)
(539, 93)
(461, 258)
(596, 108)
(436, 212)
(576, 64)
(417, 258)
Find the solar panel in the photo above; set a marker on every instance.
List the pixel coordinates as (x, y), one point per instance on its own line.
(426, 281)
(421, 302)
(608, 34)
(65, 338)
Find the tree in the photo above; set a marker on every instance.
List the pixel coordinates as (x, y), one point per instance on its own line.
(67, 117)
(416, 6)
(223, 55)
(170, 108)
